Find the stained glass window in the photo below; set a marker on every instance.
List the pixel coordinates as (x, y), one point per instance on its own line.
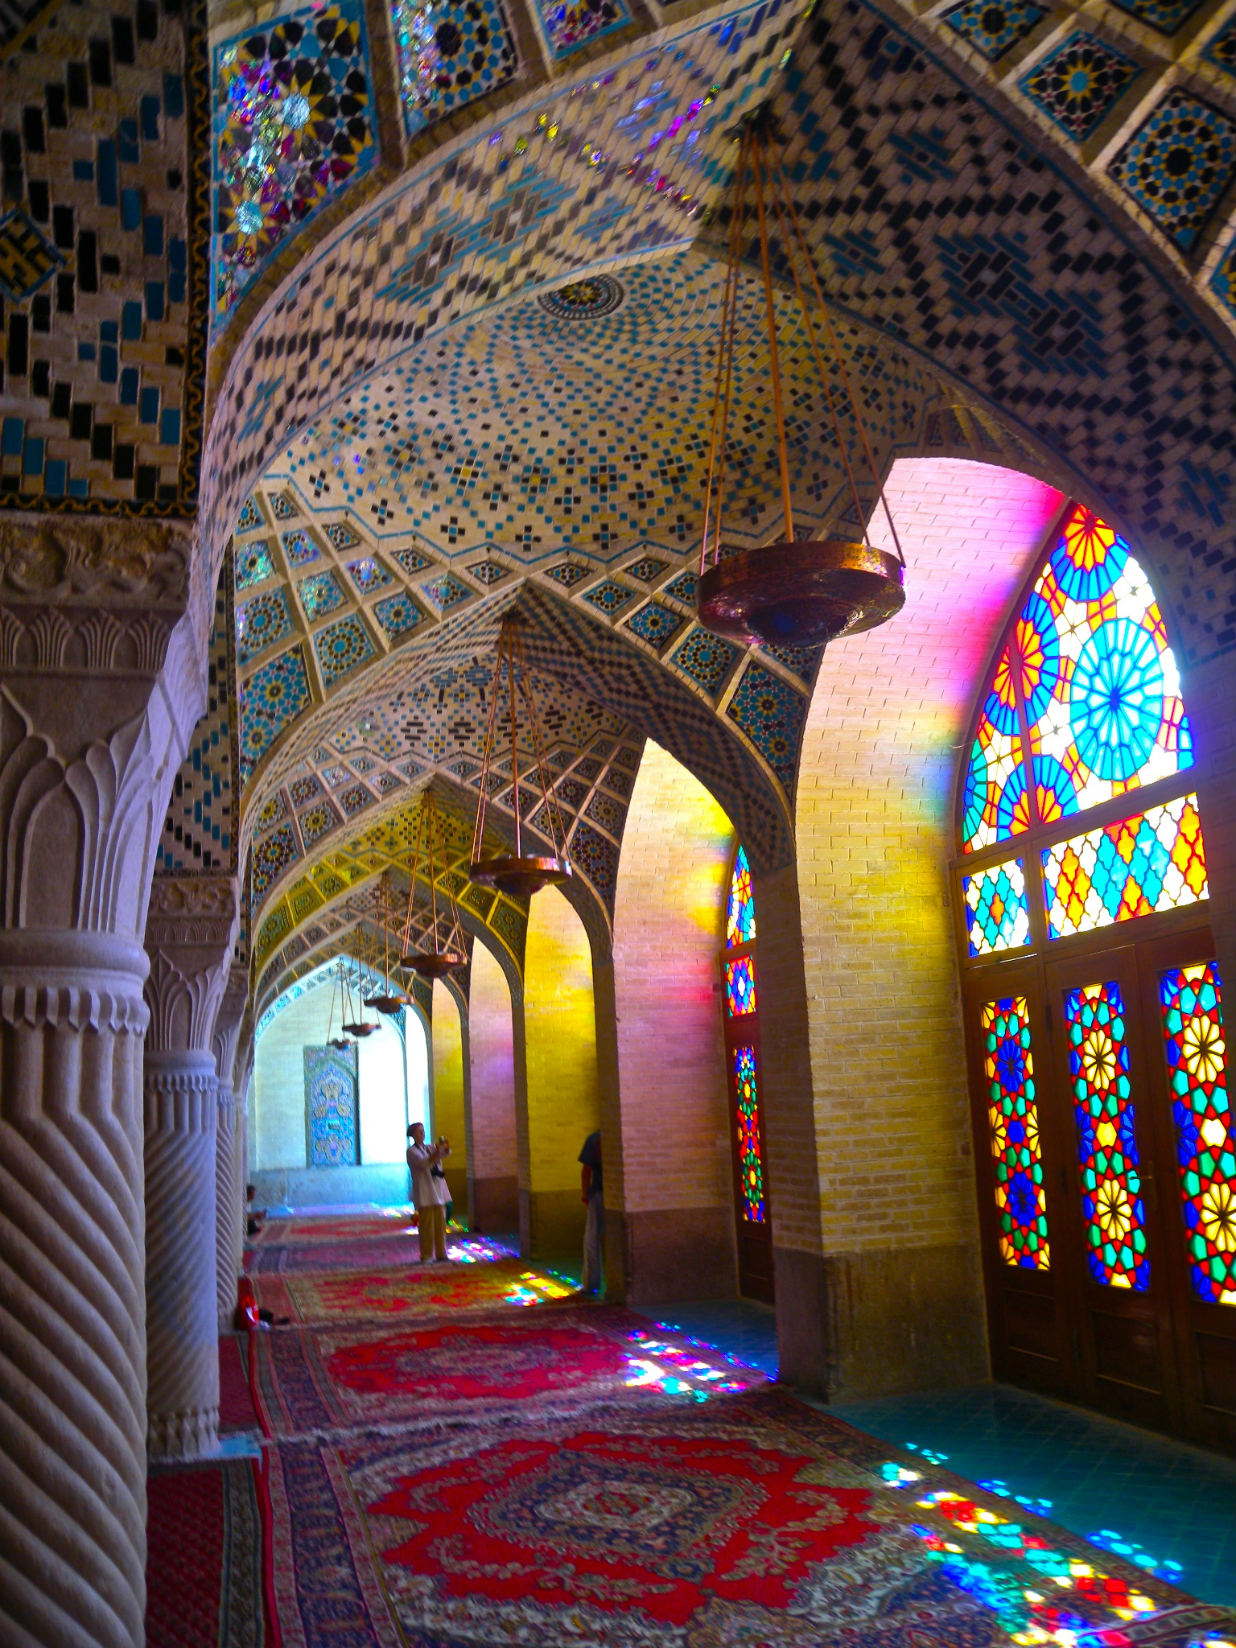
(1149, 861)
(996, 914)
(740, 915)
(739, 986)
(1192, 1008)
(1111, 1185)
(747, 1119)
(1090, 668)
(1013, 1120)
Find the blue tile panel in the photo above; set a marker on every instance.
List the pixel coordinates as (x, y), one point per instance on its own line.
(771, 713)
(1079, 83)
(569, 24)
(262, 623)
(992, 26)
(707, 659)
(199, 832)
(1221, 50)
(1164, 15)
(270, 700)
(655, 624)
(449, 55)
(342, 647)
(292, 128)
(1177, 166)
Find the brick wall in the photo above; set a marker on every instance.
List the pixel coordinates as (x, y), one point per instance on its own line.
(875, 832)
(560, 1042)
(446, 1087)
(668, 933)
(491, 1128)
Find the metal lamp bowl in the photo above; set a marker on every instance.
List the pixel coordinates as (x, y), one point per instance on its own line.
(525, 875)
(799, 595)
(433, 964)
(388, 1004)
(359, 1028)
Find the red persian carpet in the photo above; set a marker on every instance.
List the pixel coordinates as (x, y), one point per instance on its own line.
(461, 1457)
(204, 1573)
(346, 1228)
(365, 1253)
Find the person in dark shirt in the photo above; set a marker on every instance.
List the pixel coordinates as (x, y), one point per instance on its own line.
(594, 1229)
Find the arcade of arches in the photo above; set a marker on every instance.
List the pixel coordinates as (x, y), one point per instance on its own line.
(890, 973)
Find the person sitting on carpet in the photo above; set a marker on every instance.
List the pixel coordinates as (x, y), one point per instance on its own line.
(429, 1192)
(254, 1215)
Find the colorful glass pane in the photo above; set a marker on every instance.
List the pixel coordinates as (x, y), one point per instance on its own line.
(1111, 1185)
(1100, 683)
(747, 1120)
(994, 801)
(740, 916)
(1013, 1120)
(739, 987)
(1192, 1006)
(996, 914)
(1151, 861)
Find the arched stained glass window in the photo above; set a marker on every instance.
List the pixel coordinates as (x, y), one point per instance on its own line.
(1093, 1003)
(1084, 703)
(742, 1061)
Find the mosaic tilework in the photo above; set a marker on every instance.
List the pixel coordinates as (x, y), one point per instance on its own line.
(340, 535)
(398, 614)
(583, 299)
(449, 55)
(992, 26)
(1223, 281)
(300, 548)
(320, 594)
(606, 812)
(201, 828)
(771, 714)
(354, 799)
(282, 507)
(253, 564)
(655, 624)
(682, 588)
(610, 597)
(488, 573)
(304, 789)
(446, 592)
(1178, 164)
(368, 574)
(249, 517)
(597, 857)
(570, 24)
(1079, 83)
(271, 856)
(800, 661)
(341, 648)
(706, 658)
(274, 810)
(269, 700)
(568, 574)
(647, 569)
(103, 108)
(1164, 15)
(1221, 50)
(260, 623)
(292, 128)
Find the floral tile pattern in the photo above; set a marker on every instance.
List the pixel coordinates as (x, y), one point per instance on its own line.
(655, 624)
(343, 647)
(340, 535)
(303, 790)
(992, 26)
(1164, 15)
(292, 128)
(398, 614)
(1079, 83)
(683, 588)
(647, 569)
(260, 623)
(610, 597)
(1221, 51)
(368, 574)
(319, 594)
(300, 548)
(274, 696)
(271, 856)
(570, 24)
(707, 659)
(254, 564)
(771, 714)
(449, 55)
(1178, 164)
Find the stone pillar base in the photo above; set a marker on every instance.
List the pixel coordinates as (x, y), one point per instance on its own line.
(671, 1253)
(551, 1223)
(853, 1325)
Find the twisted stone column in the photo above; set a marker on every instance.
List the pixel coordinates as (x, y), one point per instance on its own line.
(190, 932)
(100, 684)
(72, 1310)
(229, 1162)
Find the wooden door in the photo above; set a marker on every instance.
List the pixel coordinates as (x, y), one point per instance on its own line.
(1113, 1228)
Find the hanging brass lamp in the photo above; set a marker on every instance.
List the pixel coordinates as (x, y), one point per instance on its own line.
(357, 1025)
(445, 957)
(337, 996)
(388, 1000)
(520, 872)
(787, 593)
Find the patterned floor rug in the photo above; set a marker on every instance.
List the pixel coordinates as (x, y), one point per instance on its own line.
(745, 1521)
(404, 1292)
(204, 1572)
(346, 1228)
(462, 1368)
(365, 1253)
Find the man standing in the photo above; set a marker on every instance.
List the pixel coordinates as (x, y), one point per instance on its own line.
(429, 1192)
(594, 1229)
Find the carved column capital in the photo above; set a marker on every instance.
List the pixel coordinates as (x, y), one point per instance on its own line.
(190, 932)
